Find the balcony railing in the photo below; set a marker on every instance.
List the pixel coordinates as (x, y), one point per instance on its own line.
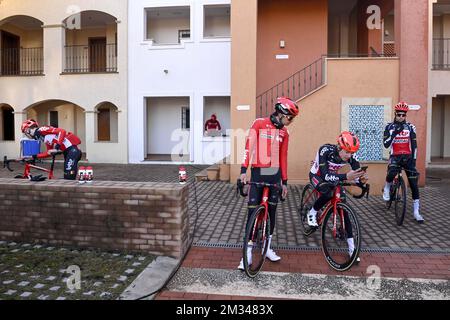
(441, 54)
(21, 62)
(94, 58)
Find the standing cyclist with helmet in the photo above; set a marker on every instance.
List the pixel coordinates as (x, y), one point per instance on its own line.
(329, 159)
(55, 140)
(400, 136)
(266, 151)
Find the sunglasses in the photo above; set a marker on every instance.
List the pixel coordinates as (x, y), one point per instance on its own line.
(290, 118)
(403, 115)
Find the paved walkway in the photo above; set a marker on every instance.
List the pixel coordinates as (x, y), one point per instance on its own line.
(210, 274)
(419, 253)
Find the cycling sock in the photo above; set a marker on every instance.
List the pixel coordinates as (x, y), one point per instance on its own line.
(387, 186)
(351, 245)
(416, 206)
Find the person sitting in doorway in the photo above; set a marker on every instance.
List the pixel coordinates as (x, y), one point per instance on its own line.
(212, 127)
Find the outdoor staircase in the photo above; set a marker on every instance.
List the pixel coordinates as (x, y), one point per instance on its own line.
(219, 171)
(297, 86)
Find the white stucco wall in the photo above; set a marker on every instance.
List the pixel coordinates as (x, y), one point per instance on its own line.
(84, 90)
(195, 69)
(163, 118)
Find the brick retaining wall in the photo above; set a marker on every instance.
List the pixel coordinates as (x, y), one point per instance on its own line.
(132, 216)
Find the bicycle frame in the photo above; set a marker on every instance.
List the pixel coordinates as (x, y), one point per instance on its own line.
(30, 164)
(265, 204)
(333, 204)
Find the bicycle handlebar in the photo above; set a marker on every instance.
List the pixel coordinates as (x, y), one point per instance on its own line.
(6, 161)
(240, 187)
(365, 188)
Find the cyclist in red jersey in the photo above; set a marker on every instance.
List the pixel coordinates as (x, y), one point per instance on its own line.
(400, 136)
(56, 139)
(266, 153)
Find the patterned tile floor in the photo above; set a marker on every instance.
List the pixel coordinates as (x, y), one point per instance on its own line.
(38, 272)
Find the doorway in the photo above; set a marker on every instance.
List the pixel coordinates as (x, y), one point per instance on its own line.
(10, 58)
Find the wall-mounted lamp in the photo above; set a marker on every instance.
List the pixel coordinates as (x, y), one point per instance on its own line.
(282, 44)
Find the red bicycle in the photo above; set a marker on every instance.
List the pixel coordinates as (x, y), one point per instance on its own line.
(338, 221)
(257, 232)
(29, 165)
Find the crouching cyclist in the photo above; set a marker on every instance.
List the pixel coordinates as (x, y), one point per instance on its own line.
(324, 175)
(266, 151)
(55, 140)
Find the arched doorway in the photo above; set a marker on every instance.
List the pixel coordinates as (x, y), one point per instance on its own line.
(6, 123)
(61, 114)
(106, 124)
(91, 43)
(21, 43)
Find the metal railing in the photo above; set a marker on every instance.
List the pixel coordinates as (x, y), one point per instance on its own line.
(90, 58)
(441, 53)
(21, 62)
(296, 86)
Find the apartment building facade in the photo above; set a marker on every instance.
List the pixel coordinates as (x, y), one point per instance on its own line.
(179, 73)
(346, 62)
(66, 65)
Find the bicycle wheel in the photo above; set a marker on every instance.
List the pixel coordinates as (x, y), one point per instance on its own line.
(309, 197)
(335, 246)
(256, 236)
(400, 202)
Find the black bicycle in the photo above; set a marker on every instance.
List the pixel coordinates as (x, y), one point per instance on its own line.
(397, 197)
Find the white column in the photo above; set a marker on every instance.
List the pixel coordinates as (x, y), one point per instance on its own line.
(54, 40)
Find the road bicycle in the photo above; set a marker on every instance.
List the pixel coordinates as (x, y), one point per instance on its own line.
(398, 196)
(257, 231)
(338, 222)
(30, 163)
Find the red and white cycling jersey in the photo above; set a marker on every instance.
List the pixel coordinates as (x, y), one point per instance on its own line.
(403, 143)
(53, 136)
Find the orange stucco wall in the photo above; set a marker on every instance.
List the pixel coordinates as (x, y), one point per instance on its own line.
(243, 73)
(371, 38)
(302, 24)
(411, 23)
(320, 118)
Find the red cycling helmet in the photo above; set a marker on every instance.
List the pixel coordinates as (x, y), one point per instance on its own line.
(29, 124)
(349, 142)
(402, 106)
(287, 107)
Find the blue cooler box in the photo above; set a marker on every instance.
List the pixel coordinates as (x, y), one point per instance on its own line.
(30, 147)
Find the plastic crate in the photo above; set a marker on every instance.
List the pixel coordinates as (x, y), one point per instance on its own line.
(31, 147)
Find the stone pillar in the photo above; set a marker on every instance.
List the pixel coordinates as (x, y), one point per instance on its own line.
(411, 26)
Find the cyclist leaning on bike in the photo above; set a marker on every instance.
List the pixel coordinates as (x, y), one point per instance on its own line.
(324, 174)
(400, 136)
(55, 140)
(266, 153)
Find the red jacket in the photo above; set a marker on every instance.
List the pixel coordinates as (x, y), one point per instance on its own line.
(267, 146)
(53, 136)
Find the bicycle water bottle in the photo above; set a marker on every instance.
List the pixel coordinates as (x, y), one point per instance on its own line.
(89, 174)
(182, 175)
(81, 175)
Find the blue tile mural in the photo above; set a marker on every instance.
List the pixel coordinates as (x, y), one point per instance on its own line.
(367, 122)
